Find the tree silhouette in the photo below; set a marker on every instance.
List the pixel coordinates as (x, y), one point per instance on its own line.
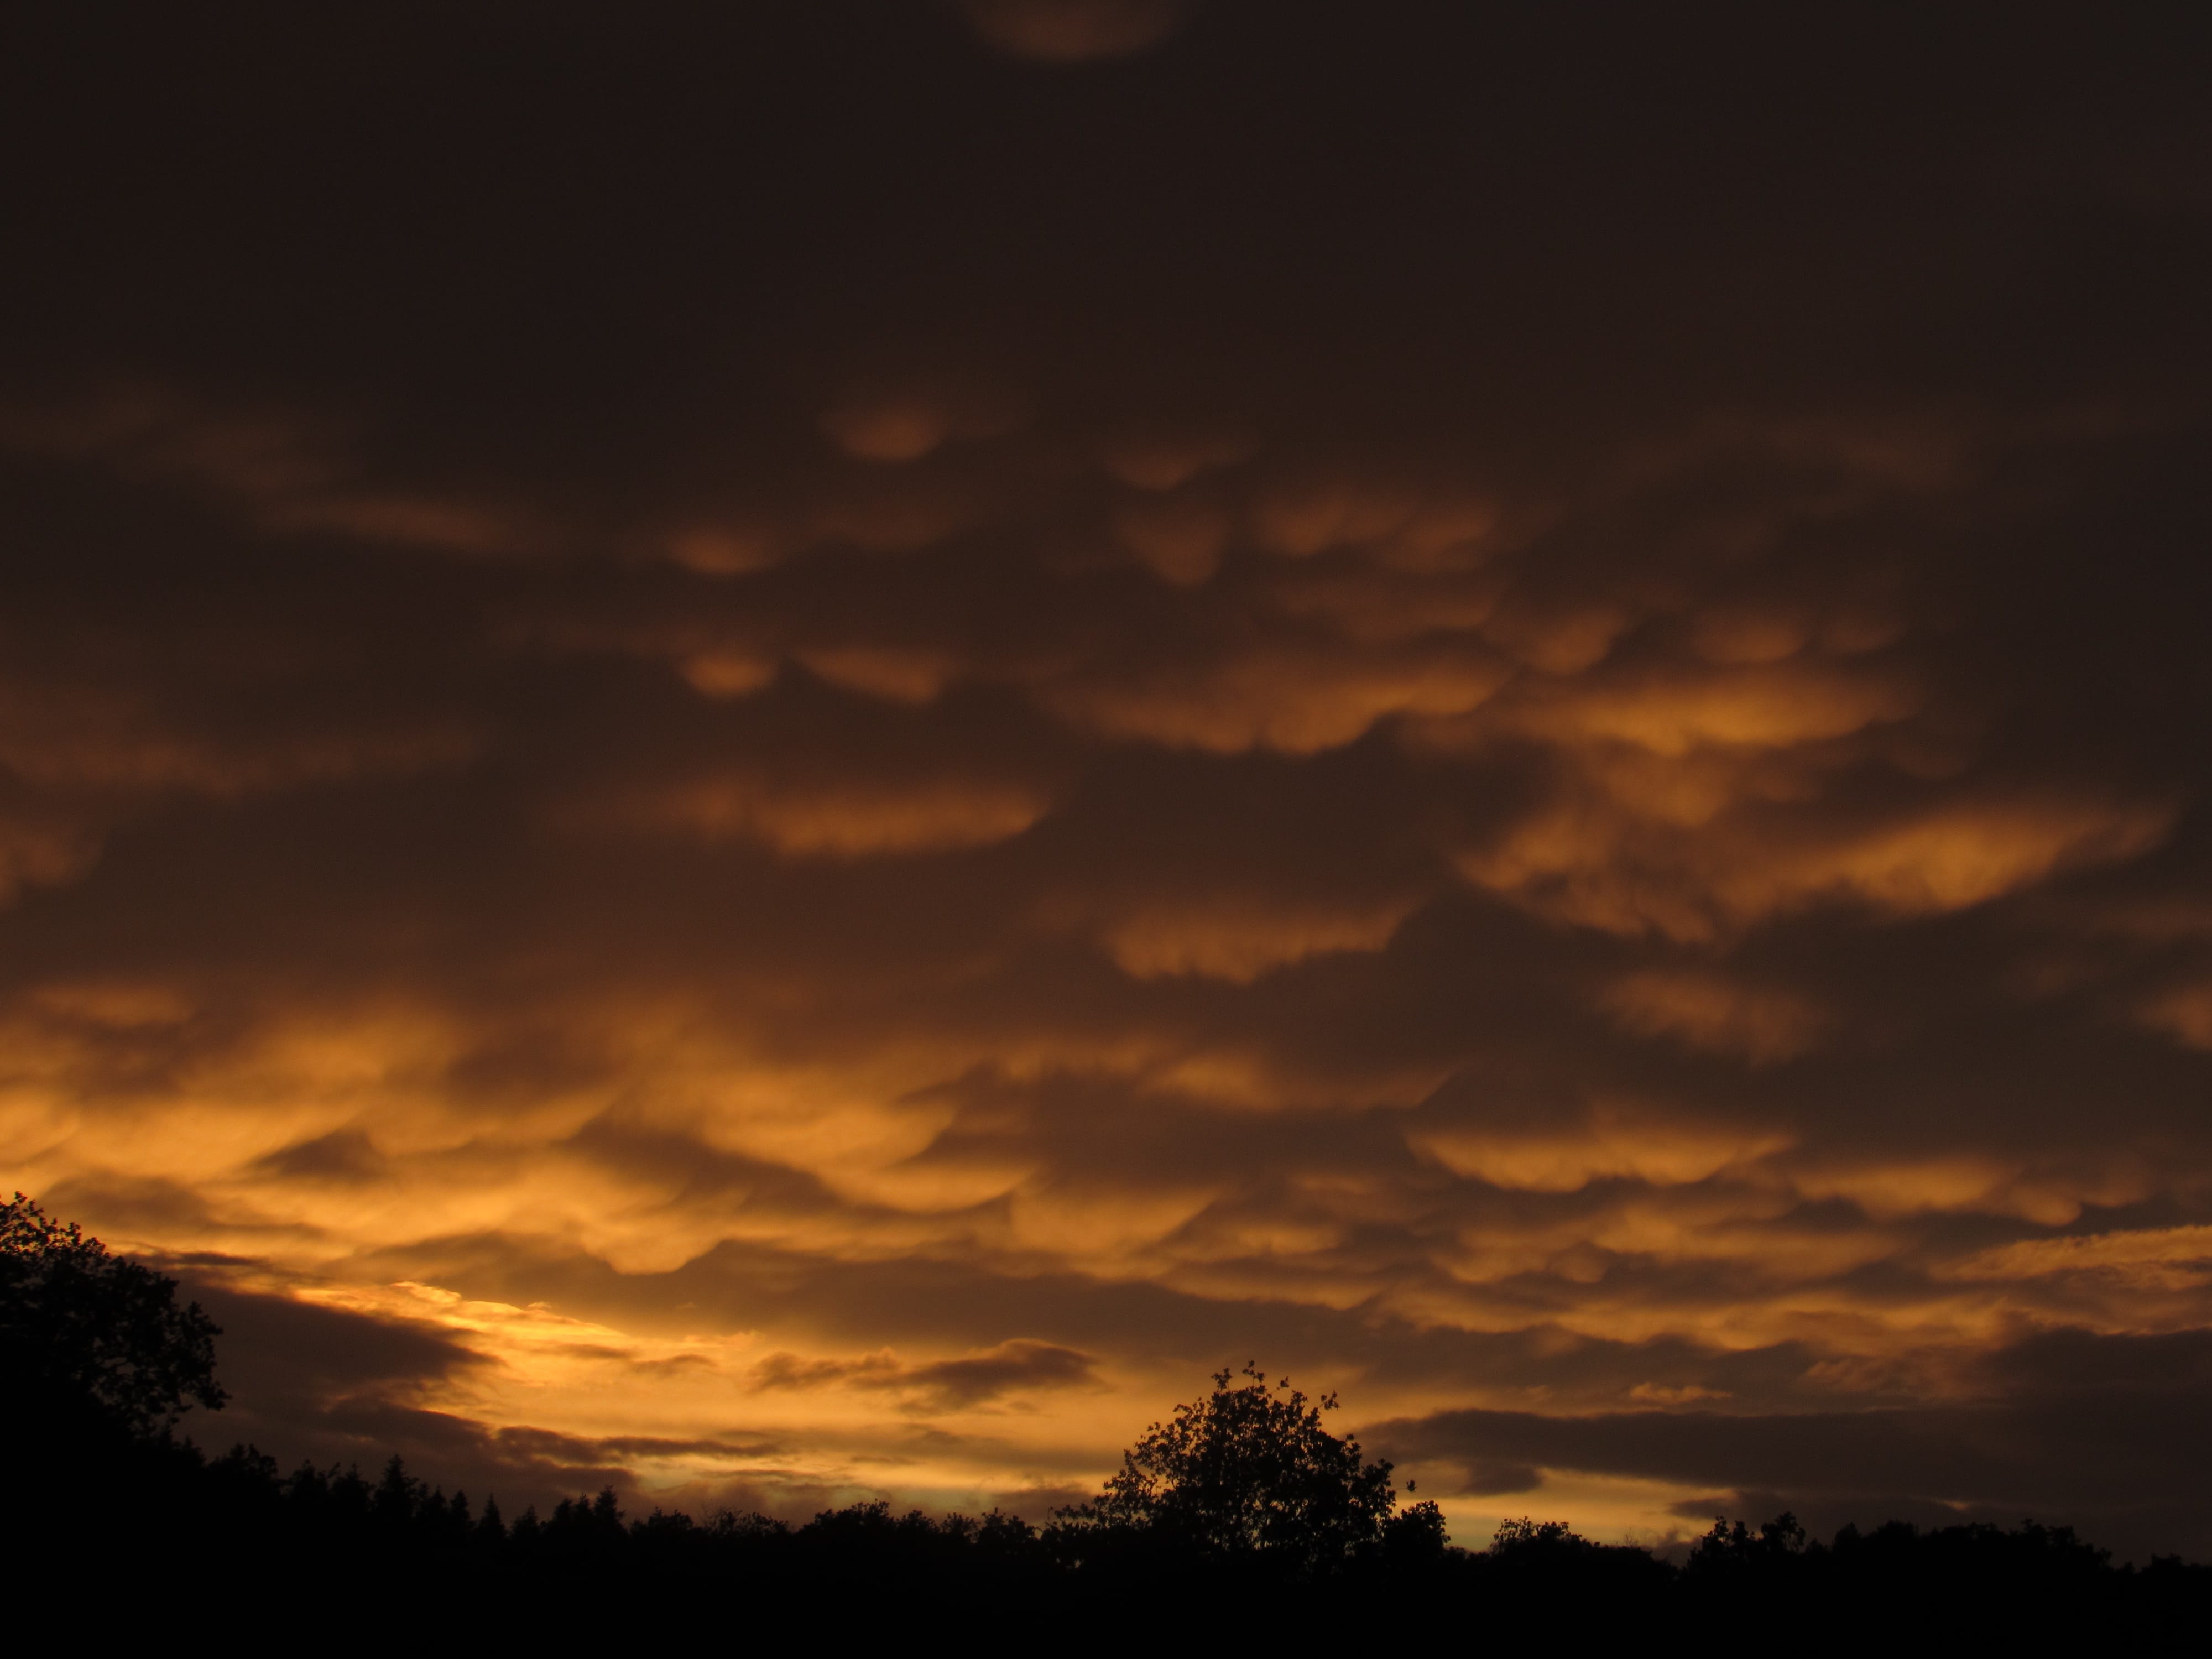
(1520, 1536)
(1240, 1508)
(87, 1337)
(1248, 1474)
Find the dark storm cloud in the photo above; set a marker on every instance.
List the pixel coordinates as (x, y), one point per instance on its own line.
(824, 716)
(278, 1348)
(2101, 1428)
(942, 1385)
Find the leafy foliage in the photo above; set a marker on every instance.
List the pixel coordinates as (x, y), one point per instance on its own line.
(1733, 1547)
(1523, 1536)
(84, 1332)
(1248, 1473)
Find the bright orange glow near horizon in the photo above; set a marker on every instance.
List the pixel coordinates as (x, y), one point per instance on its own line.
(809, 799)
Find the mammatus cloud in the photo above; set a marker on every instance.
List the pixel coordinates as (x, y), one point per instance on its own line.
(830, 773)
(939, 1385)
(1709, 1012)
(284, 473)
(1351, 935)
(32, 852)
(844, 821)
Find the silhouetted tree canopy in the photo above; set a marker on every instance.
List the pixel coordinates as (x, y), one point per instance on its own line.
(1249, 1472)
(85, 1332)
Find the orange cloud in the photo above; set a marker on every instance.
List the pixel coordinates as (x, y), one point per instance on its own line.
(840, 819)
(1167, 457)
(904, 431)
(1181, 542)
(1608, 867)
(1558, 640)
(1708, 1011)
(1299, 702)
(36, 851)
(1611, 1140)
(1037, 693)
(2184, 1013)
(289, 473)
(903, 674)
(1736, 635)
(1239, 943)
(970, 1380)
(897, 424)
(1766, 708)
(727, 673)
(2158, 1258)
(727, 550)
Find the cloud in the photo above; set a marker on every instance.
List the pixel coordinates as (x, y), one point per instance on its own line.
(1564, 1152)
(287, 474)
(1706, 1012)
(1762, 706)
(1297, 701)
(2077, 1431)
(901, 675)
(978, 1379)
(280, 1354)
(788, 1370)
(846, 821)
(1014, 733)
(1698, 868)
(1236, 945)
(1181, 542)
(42, 854)
(2184, 1013)
(1164, 456)
(2159, 1258)
(1073, 30)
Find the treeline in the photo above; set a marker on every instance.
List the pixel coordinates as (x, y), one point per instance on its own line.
(1239, 1514)
(394, 1553)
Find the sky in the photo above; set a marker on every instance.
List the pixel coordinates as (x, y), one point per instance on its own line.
(789, 752)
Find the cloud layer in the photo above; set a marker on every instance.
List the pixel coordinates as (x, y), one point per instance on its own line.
(809, 786)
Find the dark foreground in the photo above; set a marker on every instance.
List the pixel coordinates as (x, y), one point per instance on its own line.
(155, 1540)
(1237, 1520)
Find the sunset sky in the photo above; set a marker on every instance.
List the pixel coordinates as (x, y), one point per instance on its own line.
(787, 751)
